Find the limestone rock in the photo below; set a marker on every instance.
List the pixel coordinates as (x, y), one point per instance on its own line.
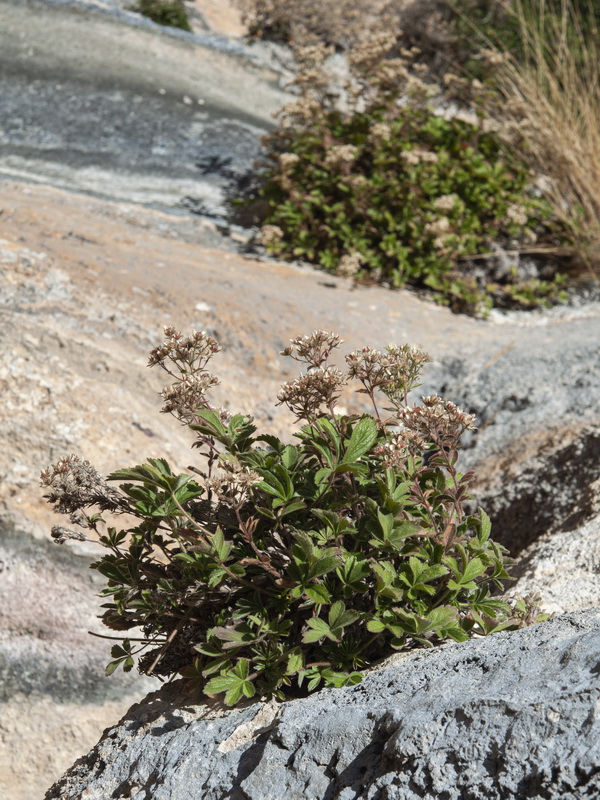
(510, 716)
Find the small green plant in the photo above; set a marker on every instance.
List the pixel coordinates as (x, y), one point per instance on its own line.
(386, 188)
(171, 13)
(278, 568)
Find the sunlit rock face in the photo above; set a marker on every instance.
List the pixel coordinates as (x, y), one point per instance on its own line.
(513, 715)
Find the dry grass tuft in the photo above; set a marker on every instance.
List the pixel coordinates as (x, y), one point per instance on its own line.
(551, 104)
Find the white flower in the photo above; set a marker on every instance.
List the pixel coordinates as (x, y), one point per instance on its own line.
(349, 265)
(517, 214)
(417, 156)
(441, 225)
(270, 235)
(341, 154)
(446, 202)
(288, 161)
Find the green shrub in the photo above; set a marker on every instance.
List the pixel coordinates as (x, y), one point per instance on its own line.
(171, 13)
(280, 567)
(377, 184)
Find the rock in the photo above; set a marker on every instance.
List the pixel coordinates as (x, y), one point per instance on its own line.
(513, 715)
(76, 332)
(536, 450)
(94, 99)
(563, 568)
(542, 483)
(39, 737)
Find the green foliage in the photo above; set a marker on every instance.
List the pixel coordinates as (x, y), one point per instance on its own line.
(171, 13)
(281, 567)
(380, 186)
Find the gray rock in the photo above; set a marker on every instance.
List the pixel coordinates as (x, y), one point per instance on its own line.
(536, 451)
(107, 102)
(510, 716)
(564, 568)
(47, 609)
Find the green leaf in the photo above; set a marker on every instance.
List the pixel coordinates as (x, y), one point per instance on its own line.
(110, 668)
(221, 547)
(442, 616)
(474, 569)
(233, 695)
(295, 662)
(319, 629)
(218, 685)
(213, 425)
(323, 565)
(362, 439)
(486, 528)
(318, 593)
(291, 508)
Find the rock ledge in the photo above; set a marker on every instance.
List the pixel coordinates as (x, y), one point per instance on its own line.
(510, 716)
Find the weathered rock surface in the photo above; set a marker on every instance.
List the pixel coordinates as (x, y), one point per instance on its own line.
(563, 568)
(511, 716)
(536, 450)
(105, 101)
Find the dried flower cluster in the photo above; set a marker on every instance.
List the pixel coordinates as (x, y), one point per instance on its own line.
(192, 353)
(438, 421)
(233, 483)
(351, 263)
(313, 394)
(313, 349)
(185, 359)
(394, 372)
(74, 484)
(270, 235)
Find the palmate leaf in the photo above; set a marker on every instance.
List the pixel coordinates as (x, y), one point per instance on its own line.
(212, 425)
(222, 548)
(155, 472)
(318, 630)
(235, 683)
(318, 593)
(123, 658)
(295, 661)
(338, 619)
(155, 475)
(464, 578)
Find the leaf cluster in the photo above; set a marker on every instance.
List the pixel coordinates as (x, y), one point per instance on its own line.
(279, 568)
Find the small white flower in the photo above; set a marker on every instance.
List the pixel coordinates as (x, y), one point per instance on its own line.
(341, 154)
(446, 202)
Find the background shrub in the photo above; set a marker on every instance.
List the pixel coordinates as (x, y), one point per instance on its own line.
(376, 182)
(280, 567)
